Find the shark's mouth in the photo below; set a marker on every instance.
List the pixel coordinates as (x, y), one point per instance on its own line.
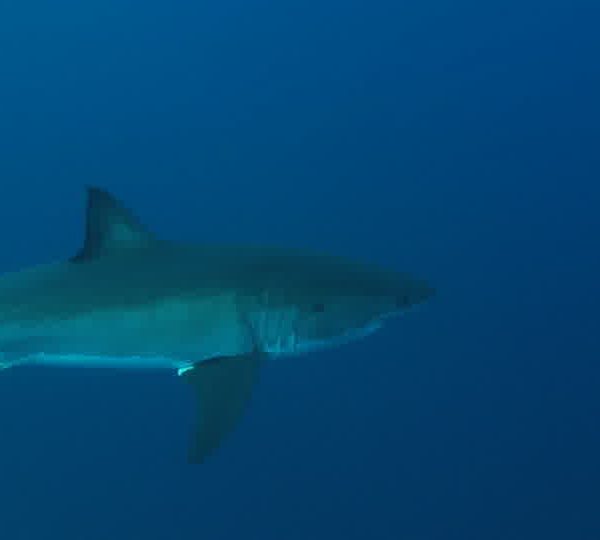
(291, 344)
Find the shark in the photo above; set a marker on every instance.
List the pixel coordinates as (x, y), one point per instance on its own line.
(212, 314)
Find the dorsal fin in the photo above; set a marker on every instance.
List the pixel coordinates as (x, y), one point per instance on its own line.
(109, 227)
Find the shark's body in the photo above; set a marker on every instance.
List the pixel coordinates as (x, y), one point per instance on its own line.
(213, 313)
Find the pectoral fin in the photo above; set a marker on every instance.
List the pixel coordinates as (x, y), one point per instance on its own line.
(223, 387)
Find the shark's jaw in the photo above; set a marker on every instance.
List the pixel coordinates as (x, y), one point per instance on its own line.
(350, 336)
(283, 333)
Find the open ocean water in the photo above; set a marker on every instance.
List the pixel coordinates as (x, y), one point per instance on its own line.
(456, 140)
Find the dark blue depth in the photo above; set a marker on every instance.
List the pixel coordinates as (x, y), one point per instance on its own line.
(455, 140)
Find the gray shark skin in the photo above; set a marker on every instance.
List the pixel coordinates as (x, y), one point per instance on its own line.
(213, 314)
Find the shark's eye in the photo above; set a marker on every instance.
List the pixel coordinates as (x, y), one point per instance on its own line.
(319, 307)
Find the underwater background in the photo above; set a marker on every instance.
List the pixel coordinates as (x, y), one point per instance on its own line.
(455, 140)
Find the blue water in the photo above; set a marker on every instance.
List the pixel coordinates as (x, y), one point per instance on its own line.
(457, 140)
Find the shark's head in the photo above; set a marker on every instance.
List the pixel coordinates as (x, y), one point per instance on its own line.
(320, 302)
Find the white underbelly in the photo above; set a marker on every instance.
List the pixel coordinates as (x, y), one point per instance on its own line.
(106, 361)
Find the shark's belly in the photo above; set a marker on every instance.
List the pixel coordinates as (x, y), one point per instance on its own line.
(169, 334)
(107, 361)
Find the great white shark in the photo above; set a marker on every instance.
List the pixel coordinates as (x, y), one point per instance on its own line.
(211, 313)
